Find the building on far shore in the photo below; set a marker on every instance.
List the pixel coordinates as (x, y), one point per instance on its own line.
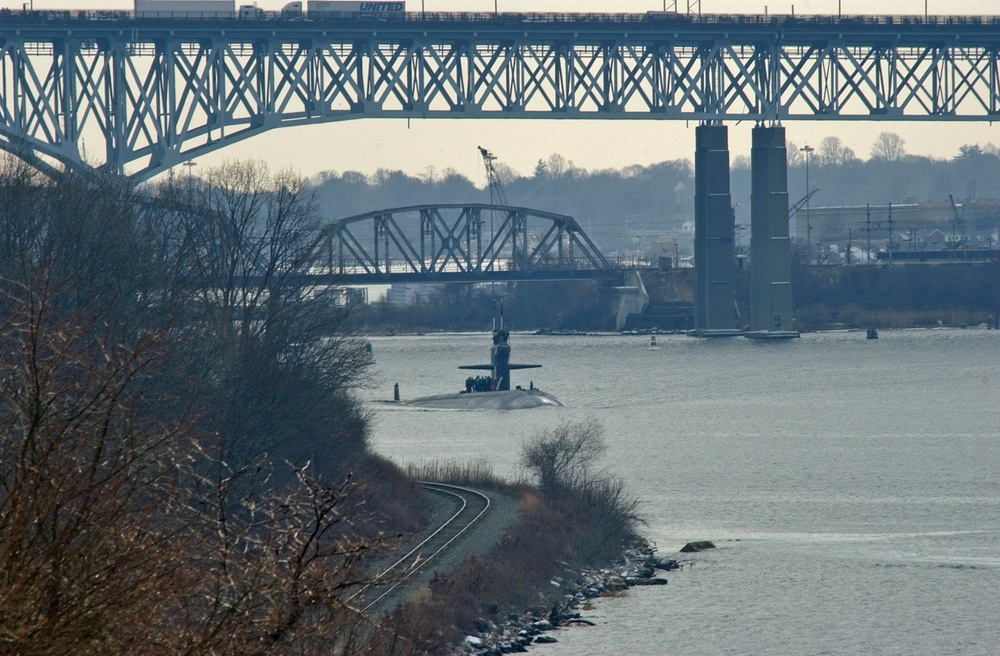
(411, 294)
(903, 228)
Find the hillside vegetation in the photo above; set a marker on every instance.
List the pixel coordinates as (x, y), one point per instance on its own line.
(184, 467)
(614, 206)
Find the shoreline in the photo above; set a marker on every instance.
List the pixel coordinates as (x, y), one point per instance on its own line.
(637, 566)
(544, 332)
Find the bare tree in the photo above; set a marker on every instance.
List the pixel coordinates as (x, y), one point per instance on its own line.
(793, 155)
(563, 456)
(563, 459)
(20, 221)
(282, 359)
(888, 147)
(832, 151)
(80, 228)
(276, 569)
(91, 531)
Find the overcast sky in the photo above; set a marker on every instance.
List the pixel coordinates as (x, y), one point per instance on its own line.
(419, 146)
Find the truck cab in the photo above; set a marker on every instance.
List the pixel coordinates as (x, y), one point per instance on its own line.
(250, 12)
(292, 10)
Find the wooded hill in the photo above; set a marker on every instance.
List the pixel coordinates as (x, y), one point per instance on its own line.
(613, 204)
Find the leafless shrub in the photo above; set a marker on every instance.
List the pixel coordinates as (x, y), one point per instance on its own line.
(603, 515)
(562, 457)
(92, 531)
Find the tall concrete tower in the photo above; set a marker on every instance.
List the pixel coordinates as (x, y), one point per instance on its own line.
(714, 230)
(770, 247)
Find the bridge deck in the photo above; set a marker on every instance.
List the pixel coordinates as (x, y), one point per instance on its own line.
(56, 23)
(163, 91)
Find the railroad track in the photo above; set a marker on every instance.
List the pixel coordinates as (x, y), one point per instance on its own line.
(471, 506)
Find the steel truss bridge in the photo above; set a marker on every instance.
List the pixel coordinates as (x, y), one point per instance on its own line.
(456, 243)
(106, 90)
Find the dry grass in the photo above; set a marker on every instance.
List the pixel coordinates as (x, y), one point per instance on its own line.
(475, 474)
(580, 518)
(529, 502)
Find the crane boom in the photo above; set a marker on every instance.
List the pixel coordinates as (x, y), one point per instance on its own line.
(800, 203)
(497, 194)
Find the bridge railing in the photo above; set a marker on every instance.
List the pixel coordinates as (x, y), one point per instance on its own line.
(653, 19)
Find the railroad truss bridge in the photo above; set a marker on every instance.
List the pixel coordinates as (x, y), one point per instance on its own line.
(456, 243)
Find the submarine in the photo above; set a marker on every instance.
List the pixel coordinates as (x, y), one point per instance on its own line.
(491, 392)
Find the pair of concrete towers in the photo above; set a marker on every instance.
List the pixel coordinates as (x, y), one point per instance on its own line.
(714, 233)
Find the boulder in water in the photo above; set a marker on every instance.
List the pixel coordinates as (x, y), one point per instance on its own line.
(692, 547)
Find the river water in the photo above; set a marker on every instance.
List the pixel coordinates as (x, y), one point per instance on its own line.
(852, 486)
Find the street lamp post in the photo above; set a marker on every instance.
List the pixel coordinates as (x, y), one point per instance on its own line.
(807, 149)
(190, 164)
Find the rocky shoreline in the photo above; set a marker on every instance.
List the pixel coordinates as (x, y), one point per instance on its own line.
(637, 566)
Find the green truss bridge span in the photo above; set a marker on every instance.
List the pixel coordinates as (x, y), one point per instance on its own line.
(457, 243)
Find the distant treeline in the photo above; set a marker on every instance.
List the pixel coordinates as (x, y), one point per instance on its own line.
(612, 204)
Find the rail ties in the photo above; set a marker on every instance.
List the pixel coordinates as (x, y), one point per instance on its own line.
(471, 506)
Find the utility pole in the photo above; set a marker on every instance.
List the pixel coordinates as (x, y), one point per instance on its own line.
(871, 226)
(889, 247)
(868, 229)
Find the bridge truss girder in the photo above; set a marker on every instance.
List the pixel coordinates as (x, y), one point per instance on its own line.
(155, 97)
(430, 240)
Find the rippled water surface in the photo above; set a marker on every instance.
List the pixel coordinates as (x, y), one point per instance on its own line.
(852, 485)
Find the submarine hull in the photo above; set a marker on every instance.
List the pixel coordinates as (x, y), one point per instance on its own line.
(516, 399)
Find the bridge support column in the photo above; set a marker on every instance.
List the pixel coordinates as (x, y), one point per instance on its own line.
(714, 228)
(770, 248)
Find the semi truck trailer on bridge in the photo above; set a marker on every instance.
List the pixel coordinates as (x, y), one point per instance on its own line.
(185, 8)
(203, 9)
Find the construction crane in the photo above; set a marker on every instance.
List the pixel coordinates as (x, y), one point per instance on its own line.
(514, 221)
(800, 203)
(497, 194)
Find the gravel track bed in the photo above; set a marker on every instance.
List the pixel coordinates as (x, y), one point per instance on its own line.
(478, 540)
